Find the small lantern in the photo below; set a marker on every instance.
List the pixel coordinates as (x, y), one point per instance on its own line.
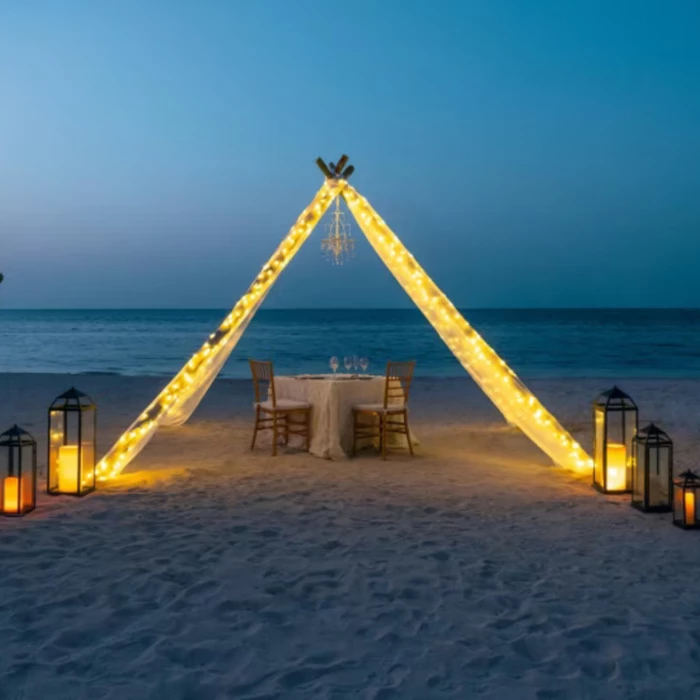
(652, 470)
(72, 444)
(615, 425)
(17, 472)
(686, 490)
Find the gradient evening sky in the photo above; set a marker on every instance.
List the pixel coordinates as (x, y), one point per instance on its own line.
(543, 153)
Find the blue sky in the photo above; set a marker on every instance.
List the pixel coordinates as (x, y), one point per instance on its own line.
(528, 153)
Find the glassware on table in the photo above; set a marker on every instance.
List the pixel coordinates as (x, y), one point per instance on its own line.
(347, 361)
(364, 364)
(355, 363)
(334, 364)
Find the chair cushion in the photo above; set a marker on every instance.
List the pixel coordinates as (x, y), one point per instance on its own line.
(379, 407)
(283, 405)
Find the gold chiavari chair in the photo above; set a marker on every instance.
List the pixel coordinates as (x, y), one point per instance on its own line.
(276, 414)
(391, 415)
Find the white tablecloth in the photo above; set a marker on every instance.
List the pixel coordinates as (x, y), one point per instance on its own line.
(332, 398)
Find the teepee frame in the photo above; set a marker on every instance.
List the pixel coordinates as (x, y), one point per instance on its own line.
(178, 400)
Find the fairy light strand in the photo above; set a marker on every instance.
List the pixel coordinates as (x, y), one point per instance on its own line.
(176, 402)
(518, 405)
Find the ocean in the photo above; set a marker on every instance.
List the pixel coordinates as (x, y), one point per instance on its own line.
(535, 342)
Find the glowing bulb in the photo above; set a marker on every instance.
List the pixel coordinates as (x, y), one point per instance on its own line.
(485, 366)
(185, 386)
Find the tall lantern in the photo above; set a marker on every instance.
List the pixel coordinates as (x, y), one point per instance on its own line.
(652, 470)
(686, 490)
(615, 425)
(72, 444)
(17, 472)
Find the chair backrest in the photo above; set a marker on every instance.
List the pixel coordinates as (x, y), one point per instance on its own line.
(263, 381)
(398, 383)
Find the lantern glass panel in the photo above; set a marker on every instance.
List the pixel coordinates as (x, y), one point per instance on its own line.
(659, 476)
(639, 475)
(69, 454)
(631, 424)
(75, 464)
(678, 515)
(55, 441)
(87, 449)
(621, 429)
(690, 498)
(598, 460)
(27, 490)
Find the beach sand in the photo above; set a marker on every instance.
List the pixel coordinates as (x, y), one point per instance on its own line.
(476, 569)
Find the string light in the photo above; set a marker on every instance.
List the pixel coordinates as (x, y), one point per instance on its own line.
(518, 405)
(179, 398)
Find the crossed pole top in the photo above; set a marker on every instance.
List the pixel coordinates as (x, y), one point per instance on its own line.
(333, 172)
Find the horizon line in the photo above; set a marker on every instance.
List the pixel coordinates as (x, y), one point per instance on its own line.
(357, 308)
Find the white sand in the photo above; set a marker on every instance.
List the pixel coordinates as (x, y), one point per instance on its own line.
(474, 570)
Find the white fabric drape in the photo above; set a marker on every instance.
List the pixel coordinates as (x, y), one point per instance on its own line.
(177, 401)
(519, 406)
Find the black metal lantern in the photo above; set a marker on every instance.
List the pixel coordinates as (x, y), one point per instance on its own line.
(615, 423)
(72, 444)
(17, 472)
(652, 470)
(686, 490)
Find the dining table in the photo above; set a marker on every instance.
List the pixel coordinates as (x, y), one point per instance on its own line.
(332, 397)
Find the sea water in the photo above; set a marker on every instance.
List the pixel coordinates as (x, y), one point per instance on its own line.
(534, 342)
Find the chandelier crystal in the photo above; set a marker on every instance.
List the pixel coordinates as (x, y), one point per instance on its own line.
(338, 245)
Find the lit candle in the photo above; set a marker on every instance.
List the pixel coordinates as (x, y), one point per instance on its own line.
(11, 495)
(617, 467)
(690, 507)
(68, 469)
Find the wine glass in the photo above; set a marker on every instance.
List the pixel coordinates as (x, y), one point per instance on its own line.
(347, 361)
(355, 363)
(364, 364)
(334, 364)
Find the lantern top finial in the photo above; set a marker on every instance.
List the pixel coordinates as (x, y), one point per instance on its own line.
(688, 479)
(615, 393)
(16, 437)
(652, 434)
(72, 400)
(615, 398)
(72, 393)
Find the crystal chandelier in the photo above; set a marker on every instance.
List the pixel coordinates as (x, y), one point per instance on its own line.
(339, 244)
